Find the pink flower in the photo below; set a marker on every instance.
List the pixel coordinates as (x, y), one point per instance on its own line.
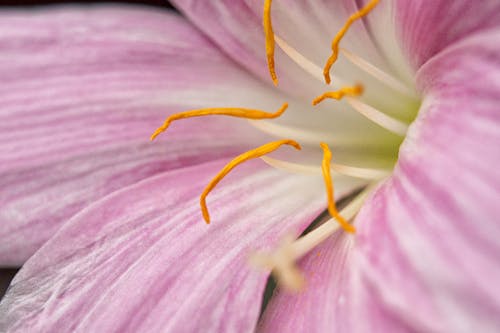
(111, 223)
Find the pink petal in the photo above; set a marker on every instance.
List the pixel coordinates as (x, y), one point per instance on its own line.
(85, 89)
(143, 260)
(428, 248)
(426, 253)
(408, 33)
(425, 28)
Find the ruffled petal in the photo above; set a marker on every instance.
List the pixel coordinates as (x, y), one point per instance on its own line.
(143, 260)
(426, 28)
(427, 251)
(408, 33)
(86, 87)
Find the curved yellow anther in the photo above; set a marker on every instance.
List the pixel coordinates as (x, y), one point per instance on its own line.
(233, 112)
(332, 209)
(338, 94)
(254, 153)
(269, 35)
(335, 43)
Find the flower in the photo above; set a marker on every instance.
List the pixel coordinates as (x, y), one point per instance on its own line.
(127, 248)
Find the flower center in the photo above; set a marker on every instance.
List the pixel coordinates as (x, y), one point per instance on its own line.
(367, 151)
(282, 261)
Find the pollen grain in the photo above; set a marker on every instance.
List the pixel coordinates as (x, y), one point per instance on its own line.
(336, 40)
(254, 153)
(355, 90)
(332, 209)
(233, 112)
(269, 36)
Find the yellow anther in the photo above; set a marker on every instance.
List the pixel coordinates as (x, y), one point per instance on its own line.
(332, 209)
(269, 34)
(344, 91)
(335, 43)
(233, 112)
(254, 153)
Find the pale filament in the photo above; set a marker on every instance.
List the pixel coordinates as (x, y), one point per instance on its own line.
(378, 74)
(362, 173)
(282, 262)
(378, 117)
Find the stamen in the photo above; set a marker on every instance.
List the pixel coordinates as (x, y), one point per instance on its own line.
(335, 43)
(378, 117)
(254, 153)
(332, 209)
(282, 262)
(233, 112)
(269, 35)
(338, 94)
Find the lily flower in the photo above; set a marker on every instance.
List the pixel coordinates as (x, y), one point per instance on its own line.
(394, 104)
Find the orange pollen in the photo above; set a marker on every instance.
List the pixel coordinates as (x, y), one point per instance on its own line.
(344, 91)
(332, 209)
(233, 112)
(254, 153)
(335, 43)
(269, 35)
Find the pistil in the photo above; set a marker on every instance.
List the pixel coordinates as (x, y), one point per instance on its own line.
(370, 174)
(282, 262)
